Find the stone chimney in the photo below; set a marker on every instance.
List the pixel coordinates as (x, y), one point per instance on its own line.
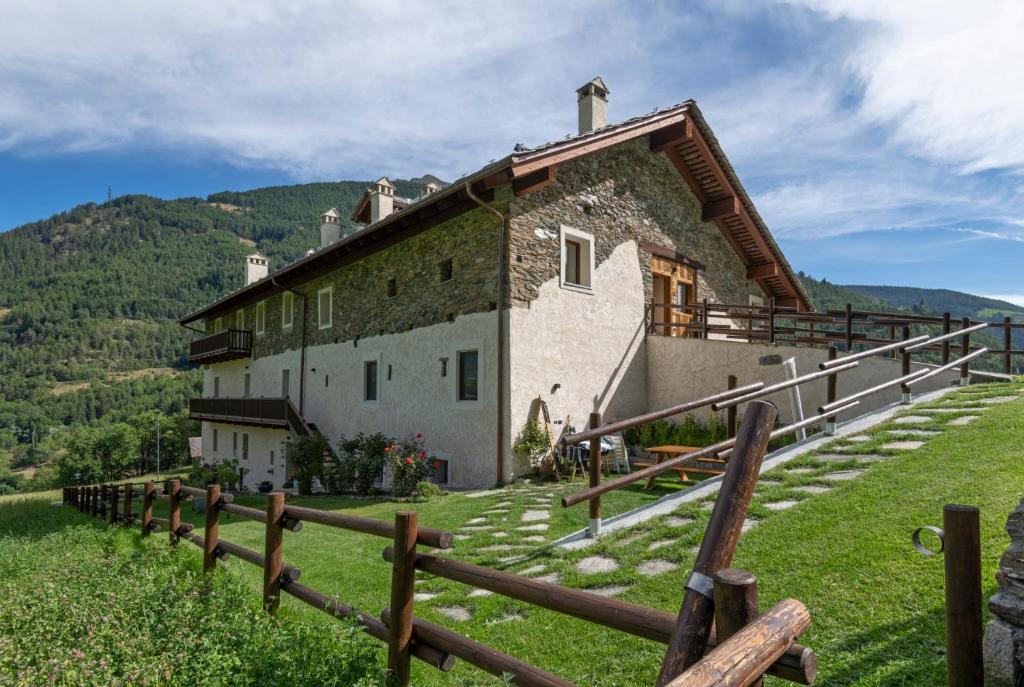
(429, 188)
(330, 228)
(382, 199)
(256, 267)
(592, 98)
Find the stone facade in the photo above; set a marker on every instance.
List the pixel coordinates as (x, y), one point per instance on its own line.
(1004, 636)
(625, 193)
(361, 305)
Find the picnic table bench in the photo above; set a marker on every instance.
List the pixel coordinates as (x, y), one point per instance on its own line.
(663, 453)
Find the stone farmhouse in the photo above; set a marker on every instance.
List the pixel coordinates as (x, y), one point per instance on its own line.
(455, 313)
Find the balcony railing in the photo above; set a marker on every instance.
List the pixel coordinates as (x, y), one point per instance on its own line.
(278, 413)
(229, 344)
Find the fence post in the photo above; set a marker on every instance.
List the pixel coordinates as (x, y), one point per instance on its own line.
(174, 518)
(594, 528)
(771, 320)
(962, 545)
(403, 587)
(730, 414)
(104, 500)
(905, 367)
(1007, 345)
(112, 515)
(95, 506)
(965, 349)
(210, 535)
(704, 318)
(849, 328)
(892, 339)
(735, 594)
(147, 508)
(946, 329)
(128, 494)
(831, 391)
(273, 560)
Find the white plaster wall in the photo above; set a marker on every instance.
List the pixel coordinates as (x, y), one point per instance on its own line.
(680, 370)
(591, 344)
(259, 466)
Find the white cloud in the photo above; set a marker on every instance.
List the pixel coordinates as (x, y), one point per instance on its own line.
(313, 87)
(944, 73)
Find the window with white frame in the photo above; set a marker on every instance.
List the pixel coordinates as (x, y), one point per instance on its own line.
(261, 317)
(371, 380)
(577, 253)
(324, 303)
(287, 309)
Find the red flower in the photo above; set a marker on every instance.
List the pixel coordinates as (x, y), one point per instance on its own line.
(418, 435)
(387, 449)
(423, 454)
(437, 466)
(408, 461)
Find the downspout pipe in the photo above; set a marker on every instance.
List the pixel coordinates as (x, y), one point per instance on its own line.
(302, 352)
(502, 228)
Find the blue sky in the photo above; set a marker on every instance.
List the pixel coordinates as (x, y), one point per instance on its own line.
(880, 140)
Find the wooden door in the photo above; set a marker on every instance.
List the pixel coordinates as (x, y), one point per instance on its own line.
(675, 286)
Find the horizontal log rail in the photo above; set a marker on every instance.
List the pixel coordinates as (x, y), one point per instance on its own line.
(781, 386)
(620, 425)
(948, 366)
(840, 403)
(290, 524)
(898, 347)
(743, 657)
(947, 337)
(802, 424)
(428, 536)
(429, 655)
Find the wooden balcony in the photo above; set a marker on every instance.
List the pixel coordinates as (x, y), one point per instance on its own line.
(277, 413)
(229, 344)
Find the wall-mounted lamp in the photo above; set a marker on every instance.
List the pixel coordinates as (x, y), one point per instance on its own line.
(555, 388)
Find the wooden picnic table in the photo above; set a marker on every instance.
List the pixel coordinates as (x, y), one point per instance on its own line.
(667, 452)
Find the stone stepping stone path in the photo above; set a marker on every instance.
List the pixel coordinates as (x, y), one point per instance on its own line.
(459, 613)
(654, 546)
(477, 593)
(707, 505)
(993, 400)
(533, 570)
(550, 578)
(912, 419)
(800, 471)
(836, 457)
(476, 521)
(535, 539)
(963, 420)
(499, 535)
(812, 489)
(512, 560)
(497, 547)
(842, 475)
(914, 432)
(534, 515)
(476, 528)
(424, 596)
(482, 494)
(749, 524)
(631, 539)
(943, 411)
(507, 618)
(500, 511)
(612, 590)
(858, 438)
(676, 521)
(592, 565)
(780, 505)
(542, 527)
(903, 445)
(655, 567)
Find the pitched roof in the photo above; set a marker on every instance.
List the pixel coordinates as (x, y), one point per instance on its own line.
(680, 131)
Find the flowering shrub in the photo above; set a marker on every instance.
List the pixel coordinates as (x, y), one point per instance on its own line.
(360, 462)
(409, 464)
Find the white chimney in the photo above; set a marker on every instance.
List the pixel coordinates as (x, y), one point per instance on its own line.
(330, 228)
(256, 267)
(592, 98)
(382, 199)
(429, 188)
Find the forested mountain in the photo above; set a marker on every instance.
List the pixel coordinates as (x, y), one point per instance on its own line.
(957, 303)
(96, 290)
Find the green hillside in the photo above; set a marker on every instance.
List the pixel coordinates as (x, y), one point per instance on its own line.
(957, 303)
(95, 291)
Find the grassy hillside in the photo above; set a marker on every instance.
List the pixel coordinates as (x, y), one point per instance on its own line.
(957, 303)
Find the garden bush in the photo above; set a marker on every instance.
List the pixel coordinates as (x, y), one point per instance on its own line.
(689, 432)
(360, 463)
(84, 604)
(409, 465)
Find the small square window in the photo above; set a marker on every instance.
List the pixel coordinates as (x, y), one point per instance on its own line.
(392, 288)
(445, 270)
(370, 380)
(577, 259)
(468, 382)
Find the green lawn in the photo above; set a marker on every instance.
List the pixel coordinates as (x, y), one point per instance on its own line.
(876, 604)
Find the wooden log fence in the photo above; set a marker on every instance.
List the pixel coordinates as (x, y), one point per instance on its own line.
(408, 636)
